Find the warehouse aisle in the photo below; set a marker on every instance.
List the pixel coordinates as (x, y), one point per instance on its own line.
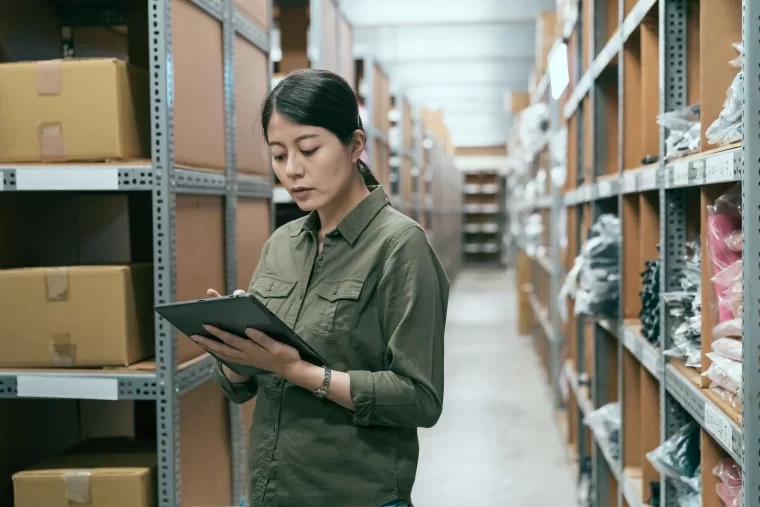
(496, 443)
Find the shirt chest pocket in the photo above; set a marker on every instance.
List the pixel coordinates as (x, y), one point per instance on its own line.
(335, 310)
(272, 291)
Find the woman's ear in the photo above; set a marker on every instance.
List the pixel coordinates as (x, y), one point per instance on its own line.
(357, 145)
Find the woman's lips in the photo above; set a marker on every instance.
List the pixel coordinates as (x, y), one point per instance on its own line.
(301, 193)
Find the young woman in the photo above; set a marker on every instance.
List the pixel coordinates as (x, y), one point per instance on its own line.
(358, 281)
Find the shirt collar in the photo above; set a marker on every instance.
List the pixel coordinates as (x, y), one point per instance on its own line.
(352, 226)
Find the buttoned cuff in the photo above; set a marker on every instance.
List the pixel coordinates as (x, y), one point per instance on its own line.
(236, 393)
(363, 396)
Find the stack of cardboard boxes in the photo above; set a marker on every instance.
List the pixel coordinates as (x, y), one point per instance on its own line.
(76, 273)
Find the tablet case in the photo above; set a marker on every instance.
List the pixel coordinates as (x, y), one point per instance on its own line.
(235, 314)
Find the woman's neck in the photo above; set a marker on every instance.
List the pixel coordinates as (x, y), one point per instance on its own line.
(333, 214)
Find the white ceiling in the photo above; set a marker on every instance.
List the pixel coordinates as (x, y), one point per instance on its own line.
(460, 56)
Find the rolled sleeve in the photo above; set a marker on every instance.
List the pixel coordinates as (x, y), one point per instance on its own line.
(237, 393)
(413, 296)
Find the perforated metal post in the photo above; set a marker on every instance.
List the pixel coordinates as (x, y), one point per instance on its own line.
(673, 20)
(164, 251)
(621, 258)
(237, 440)
(751, 232)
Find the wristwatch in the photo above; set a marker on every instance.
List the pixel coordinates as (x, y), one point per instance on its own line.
(322, 391)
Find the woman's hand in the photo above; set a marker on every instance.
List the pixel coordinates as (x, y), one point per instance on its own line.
(256, 349)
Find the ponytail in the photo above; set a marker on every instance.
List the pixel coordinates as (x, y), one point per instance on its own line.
(367, 176)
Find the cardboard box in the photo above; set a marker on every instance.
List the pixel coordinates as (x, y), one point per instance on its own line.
(546, 35)
(516, 102)
(73, 110)
(102, 473)
(76, 316)
(198, 87)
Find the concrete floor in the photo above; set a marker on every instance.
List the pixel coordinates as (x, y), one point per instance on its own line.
(497, 443)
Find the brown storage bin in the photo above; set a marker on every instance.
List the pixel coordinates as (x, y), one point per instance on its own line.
(251, 87)
(77, 316)
(73, 110)
(198, 87)
(257, 10)
(200, 255)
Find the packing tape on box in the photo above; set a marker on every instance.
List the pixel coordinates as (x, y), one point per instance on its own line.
(50, 140)
(57, 284)
(50, 77)
(77, 483)
(63, 352)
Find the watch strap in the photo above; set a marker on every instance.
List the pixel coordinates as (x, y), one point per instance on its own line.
(321, 392)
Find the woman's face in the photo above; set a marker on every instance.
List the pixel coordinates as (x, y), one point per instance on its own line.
(311, 162)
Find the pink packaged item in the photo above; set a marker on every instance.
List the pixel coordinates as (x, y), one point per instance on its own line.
(724, 221)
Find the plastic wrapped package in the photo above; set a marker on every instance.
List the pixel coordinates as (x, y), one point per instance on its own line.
(728, 329)
(724, 373)
(734, 241)
(533, 129)
(679, 455)
(724, 219)
(650, 302)
(729, 348)
(728, 127)
(606, 422)
(684, 130)
(598, 290)
(732, 398)
(729, 489)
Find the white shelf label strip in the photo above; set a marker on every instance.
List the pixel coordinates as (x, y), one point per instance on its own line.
(67, 178)
(681, 174)
(720, 168)
(42, 386)
(719, 425)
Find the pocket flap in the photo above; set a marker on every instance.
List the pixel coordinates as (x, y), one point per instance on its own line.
(271, 287)
(333, 290)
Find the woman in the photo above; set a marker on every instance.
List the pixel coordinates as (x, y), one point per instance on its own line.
(359, 282)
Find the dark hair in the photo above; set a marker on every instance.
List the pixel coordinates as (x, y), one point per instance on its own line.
(321, 99)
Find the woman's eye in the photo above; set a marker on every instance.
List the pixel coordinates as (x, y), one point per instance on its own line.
(279, 158)
(309, 153)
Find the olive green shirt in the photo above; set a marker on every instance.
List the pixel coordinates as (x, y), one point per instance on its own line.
(373, 304)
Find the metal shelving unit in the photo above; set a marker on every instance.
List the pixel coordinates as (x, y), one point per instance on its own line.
(681, 398)
(168, 381)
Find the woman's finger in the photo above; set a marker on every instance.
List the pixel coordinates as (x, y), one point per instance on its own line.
(212, 293)
(230, 339)
(221, 349)
(261, 339)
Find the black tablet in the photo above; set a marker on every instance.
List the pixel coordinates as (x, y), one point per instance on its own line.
(235, 314)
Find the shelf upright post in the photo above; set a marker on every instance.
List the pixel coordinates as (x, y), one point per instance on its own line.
(270, 76)
(751, 249)
(672, 50)
(164, 246)
(237, 441)
(580, 177)
(621, 249)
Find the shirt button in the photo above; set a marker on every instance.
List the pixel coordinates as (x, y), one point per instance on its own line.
(320, 257)
(273, 472)
(277, 381)
(271, 287)
(335, 292)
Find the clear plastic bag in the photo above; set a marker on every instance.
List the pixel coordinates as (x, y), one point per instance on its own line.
(729, 489)
(605, 422)
(679, 455)
(724, 220)
(729, 348)
(599, 276)
(734, 241)
(728, 396)
(728, 126)
(724, 373)
(739, 60)
(684, 130)
(728, 329)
